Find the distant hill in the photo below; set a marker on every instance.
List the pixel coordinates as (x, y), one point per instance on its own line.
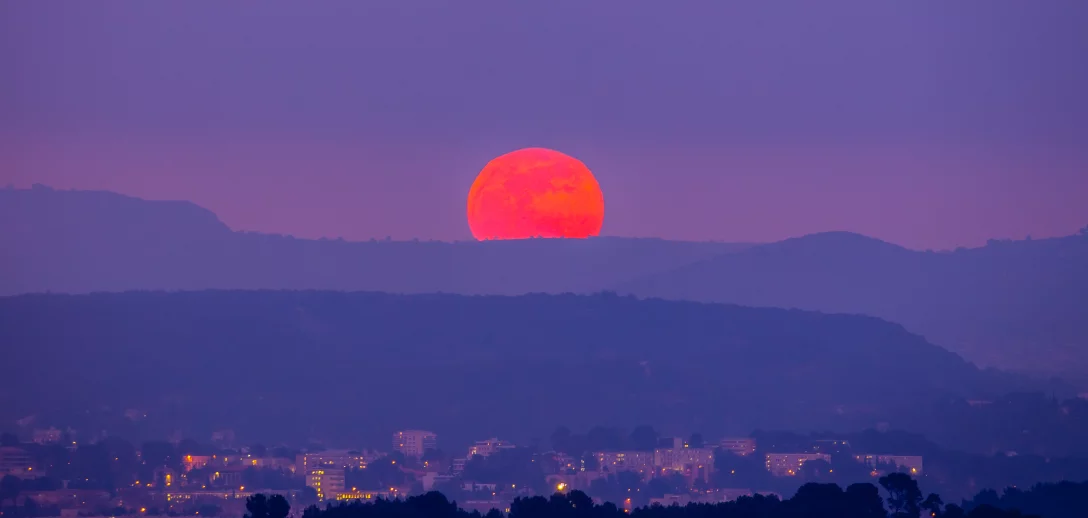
(291, 365)
(84, 241)
(1015, 304)
(1011, 304)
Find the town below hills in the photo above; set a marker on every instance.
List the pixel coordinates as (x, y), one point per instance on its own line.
(66, 472)
(1016, 305)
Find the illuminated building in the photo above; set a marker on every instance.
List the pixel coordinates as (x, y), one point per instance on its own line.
(16, 461)
(430, 480)
(231, 477)
(789, 464)
(69, 498)
(487, 447)
(679, 459)
(616, 461)
(191, 462)
(685, 499)
(342, 459)
(565, 463)
(203, 496)
(910, 464)
(365, 495)
(275, 463)
(166, 478)
(478, 486)
(412, 443)
(580, 480)
(738, 445)
(328, 482)
(47, 436)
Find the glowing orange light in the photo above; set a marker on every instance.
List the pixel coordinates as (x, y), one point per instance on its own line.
(535, 192)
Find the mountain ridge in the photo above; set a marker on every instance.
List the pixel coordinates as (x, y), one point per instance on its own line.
(66, 241)
(509, 364)
(1011, 304)
(979, 302)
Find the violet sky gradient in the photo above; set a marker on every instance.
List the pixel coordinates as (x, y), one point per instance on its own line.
(928, 123)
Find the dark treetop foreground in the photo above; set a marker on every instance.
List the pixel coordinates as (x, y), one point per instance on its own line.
(900, 498)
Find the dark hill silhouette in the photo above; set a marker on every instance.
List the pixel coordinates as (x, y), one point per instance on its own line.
(1011, 304)
(84, 241)
(280, 365)
(1016, 304)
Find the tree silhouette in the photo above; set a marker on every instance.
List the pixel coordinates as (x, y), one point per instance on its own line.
(10, 486)
(160, 453)
(819, 500)
(560, 439)
(932, 504)
(644, 438)
(432, 455)
(811, 501)
(953, 511)
(904, 497)
(277, 507)
(865, 501)
(30, 508)
(257, 507)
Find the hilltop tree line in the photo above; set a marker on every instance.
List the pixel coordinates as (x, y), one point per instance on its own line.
(901, 499)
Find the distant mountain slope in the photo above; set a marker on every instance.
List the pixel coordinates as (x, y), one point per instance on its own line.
(1012, 304)
(83, 241)
(275, 364)
(1016, 304)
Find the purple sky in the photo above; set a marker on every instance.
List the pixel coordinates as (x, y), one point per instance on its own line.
(927, 123)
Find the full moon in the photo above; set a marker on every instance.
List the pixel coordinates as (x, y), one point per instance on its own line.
(535, 192)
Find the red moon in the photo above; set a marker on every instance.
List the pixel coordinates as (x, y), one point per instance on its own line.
(535, 192)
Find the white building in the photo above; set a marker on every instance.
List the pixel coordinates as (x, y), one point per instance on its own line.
(738, 445)
(789, 464)
(412, 443)
(616, 461)
(328, 482)
(488, 447)
(338, 459)
(679, 459)
(430, 480)
(16, 461)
